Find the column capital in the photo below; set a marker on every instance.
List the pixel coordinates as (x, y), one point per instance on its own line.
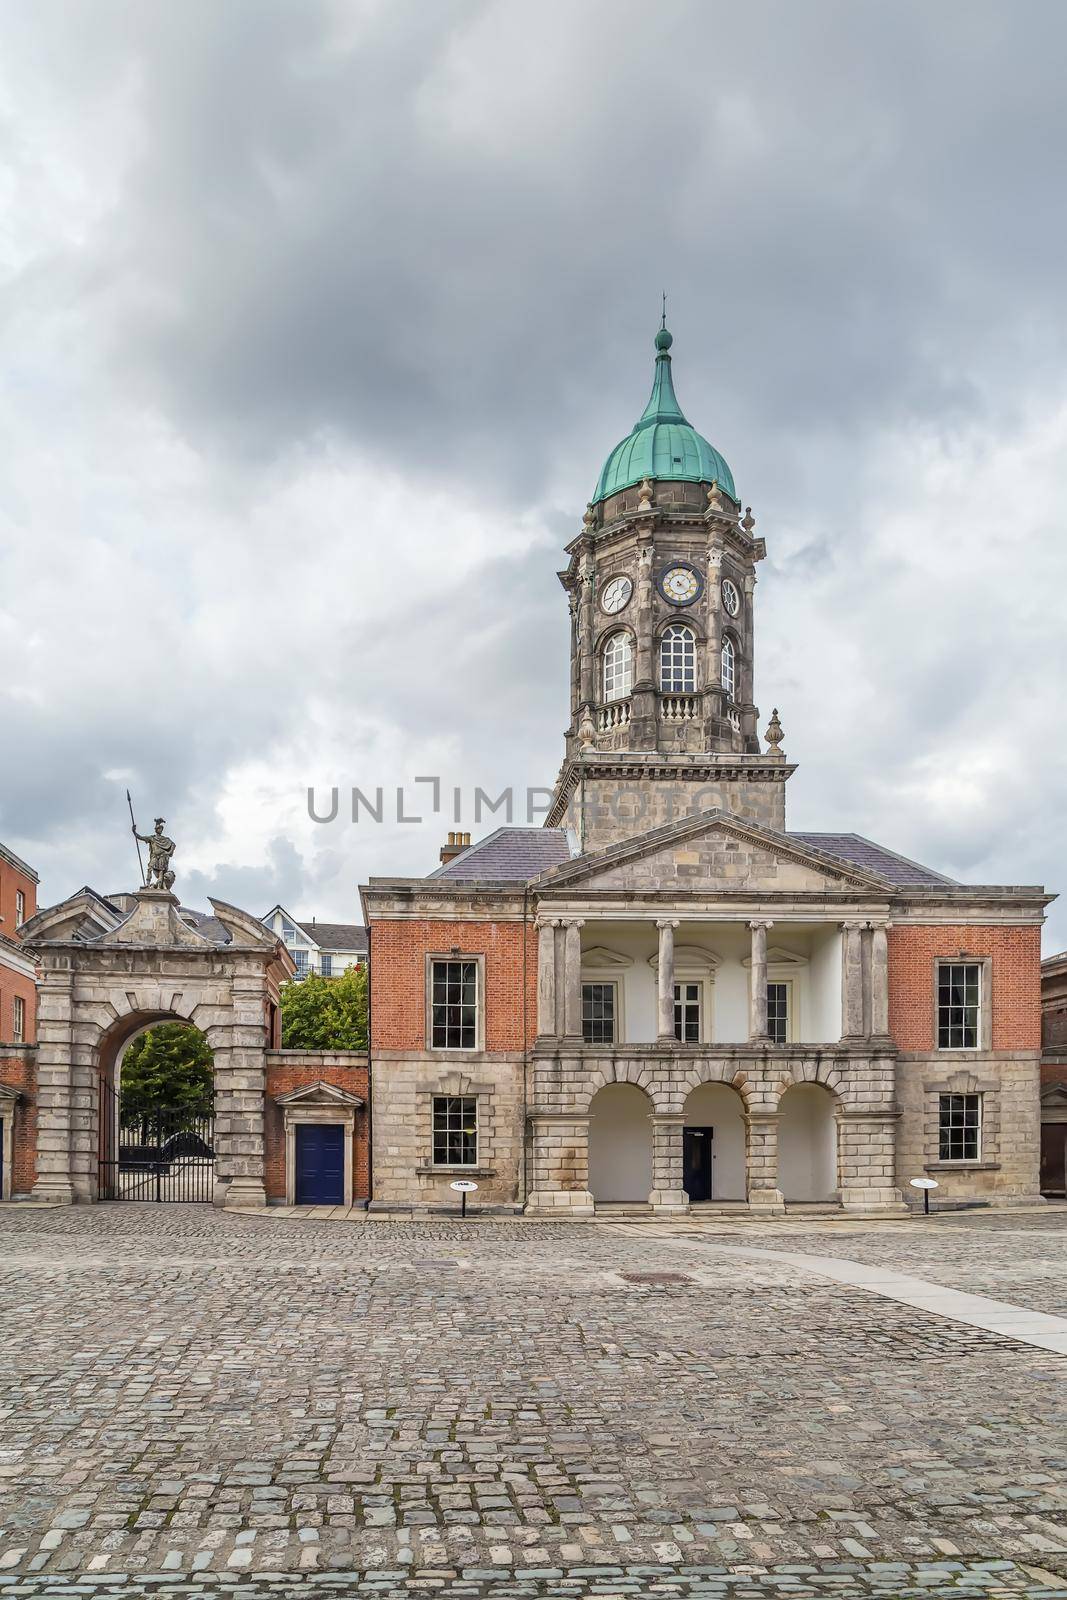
(667, 922)
(761, 922)
(546, 922)
(853, 925)
(570, 922)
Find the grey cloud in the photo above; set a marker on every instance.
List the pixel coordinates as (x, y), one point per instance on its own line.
(425, 243)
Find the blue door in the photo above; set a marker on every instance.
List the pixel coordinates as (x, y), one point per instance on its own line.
(320, 1164)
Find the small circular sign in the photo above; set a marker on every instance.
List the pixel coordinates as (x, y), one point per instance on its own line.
(925, 1183)
(463, 1185)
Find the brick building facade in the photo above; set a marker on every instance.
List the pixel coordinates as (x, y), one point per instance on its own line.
(665, 997)
(1054, 1076)
(18, 1026)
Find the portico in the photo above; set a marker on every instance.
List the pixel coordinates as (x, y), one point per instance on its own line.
(654, 999)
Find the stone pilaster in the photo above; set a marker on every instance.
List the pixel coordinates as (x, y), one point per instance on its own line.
(667, 1145)
(55, 1084)
(559, 1165)
(879, 980)
(240, 1088)
(764, 1194)
(666, 926)
(866, 1161)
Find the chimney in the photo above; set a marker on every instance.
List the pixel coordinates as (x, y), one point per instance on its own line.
(457, 842)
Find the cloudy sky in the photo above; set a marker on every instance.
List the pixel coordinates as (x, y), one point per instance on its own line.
(319, 319)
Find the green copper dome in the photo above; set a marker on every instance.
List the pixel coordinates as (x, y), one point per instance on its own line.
(663, 444)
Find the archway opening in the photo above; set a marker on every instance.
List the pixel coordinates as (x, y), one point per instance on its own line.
(807, 1143)
(714, 1144)
(156, 1113)
(620, 1144)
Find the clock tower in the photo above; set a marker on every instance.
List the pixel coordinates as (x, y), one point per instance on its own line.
(661, 586)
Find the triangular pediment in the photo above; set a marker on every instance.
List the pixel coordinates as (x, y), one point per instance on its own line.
(319, 1094)
(712, 852)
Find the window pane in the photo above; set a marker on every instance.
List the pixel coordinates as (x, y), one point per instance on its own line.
(778, 1012)
(454, 1005)
(455, 1130)
(687, 1012)
(728, 672)
(960, 1127)
(677, 660)
(598, 1013)
(618, 667)
(958, 1004)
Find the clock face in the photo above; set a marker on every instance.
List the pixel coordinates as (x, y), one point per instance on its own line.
(681, 585)
(731, 598)
(615, 594)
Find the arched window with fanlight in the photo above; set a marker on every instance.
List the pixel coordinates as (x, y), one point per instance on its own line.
(677, 660)
(618, 667)
(729, 666)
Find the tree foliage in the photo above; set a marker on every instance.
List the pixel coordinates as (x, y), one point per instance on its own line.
(170, 1066)
(326, 1013)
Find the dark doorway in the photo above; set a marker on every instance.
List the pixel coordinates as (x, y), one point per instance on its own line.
(320, 1164)
(1054, 1158)
(696, 1163)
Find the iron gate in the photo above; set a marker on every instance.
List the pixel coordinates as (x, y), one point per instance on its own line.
(166, 1155)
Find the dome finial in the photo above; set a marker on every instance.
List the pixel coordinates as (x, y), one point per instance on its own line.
(663, 338)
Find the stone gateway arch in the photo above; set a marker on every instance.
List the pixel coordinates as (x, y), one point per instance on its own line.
(109, 969)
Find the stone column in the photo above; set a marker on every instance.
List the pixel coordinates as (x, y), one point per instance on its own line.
(866, 1161)
(880, 979)
(757, 1013)
(764, 1194)
(559, 1165)
(55, 1084)
(547, 1022)
(852, 980)
(572, 976)
(666, 926)
(667, 1144)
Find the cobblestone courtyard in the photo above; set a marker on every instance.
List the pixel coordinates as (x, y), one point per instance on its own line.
(193, 1401)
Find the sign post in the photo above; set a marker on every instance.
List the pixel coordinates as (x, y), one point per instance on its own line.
(925, 1184)
(465, 1187)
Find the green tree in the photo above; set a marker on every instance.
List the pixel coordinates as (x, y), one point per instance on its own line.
(169, 1066)
(326, 1013)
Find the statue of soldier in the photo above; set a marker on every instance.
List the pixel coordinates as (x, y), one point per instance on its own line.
(160, 850)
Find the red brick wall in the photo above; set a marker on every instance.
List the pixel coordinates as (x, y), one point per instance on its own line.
(20, 1071)
(398, 979)
(13, 984)
(283, 1077)
(1015, 981)
(11, 880)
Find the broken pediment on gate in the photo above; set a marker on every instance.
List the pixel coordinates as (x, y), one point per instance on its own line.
(713, 852)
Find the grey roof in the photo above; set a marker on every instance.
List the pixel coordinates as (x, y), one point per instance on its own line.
(205, 923)
(339, 936)
(874, 857)
(510, 855)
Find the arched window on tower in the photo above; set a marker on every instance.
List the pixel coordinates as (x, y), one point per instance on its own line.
(729, 667)
(618, 667)
(677, 660)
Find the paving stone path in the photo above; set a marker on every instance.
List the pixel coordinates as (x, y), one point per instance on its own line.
(198, 1404)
